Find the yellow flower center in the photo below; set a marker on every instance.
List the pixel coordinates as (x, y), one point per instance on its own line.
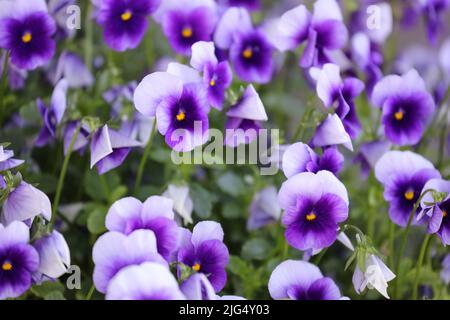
(444, 213)
(212, 83)
(196, 267)
(186, 32)
(311, 216)
(247, 53)
(409, 195)
(126, 15)
(27, 37)
(399, 115)
(7, 266)
(181, 116)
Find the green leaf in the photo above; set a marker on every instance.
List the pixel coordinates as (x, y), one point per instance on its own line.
(46, 288)
(257, 249)
(96, 221)
(118, 193)
(54, 295)
(203, 200)
(232, 210)
(231, 184)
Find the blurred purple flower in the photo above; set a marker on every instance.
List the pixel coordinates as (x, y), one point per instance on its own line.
(301, 280)
(264, 209)
(18, 260)
(324, 31)
(445, 272)
(205, 252)
(54, 255)
(119, 94)
(147, 281)
(181, 109)
(16, 76)
(82, 139)
(124, 22)
(331, 132)
(403, 175)
(109, 149)
(370, 153)
(244, 119)
(198, 287)
(7, 161)
(251, 5)
(314, 206)
(129, 214)
(249, 48)
(407, 107)
(437, 210)
(58, 9)
(71, 67)
(53, 114)
(114, 251)
(26, 30)
(217, 76)
(299, 157)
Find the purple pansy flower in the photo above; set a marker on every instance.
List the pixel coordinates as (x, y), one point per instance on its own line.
(244, 119)
(124, 22)
(437, 210)
(59, 10)
(407, 107)
(186, 22)
(24, 202)
(54, 255)
(7, 161)
(118, 94)
(217, 76)
(114, 251)
(299, 157)
(324, 31)
(205, 252)
(129, 214)
(301, 280)
(370, 153)
(339, 94)
(331, 132)
(147, 281)
(314, 206)
(71, 67)
(251, 5)
(249, 48)
(182, 202)
(181, 109)
(82, 139)
(445, 272)
(18, 260)
(403, 174)
(16, 76)
(198, 287)
(264, 209)
(26, 30)
(109, 149)
(53, 114)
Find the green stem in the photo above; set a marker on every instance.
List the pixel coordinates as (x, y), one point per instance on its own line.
(300, 130)
(145, 155)
(319, 257)
(397, 284)
(3, 84)
(391, 243)
(88, 48)
(62, 175)
(91, 292)
(423, 250)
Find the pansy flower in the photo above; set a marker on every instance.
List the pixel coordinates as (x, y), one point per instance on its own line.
(71, 67)
(198, 287)
(182, 202)
(314, 205)
(340, 95)
(26, 31)
(370, 153)
(299, 157)
(301, 280)
(109, 149)
(82, 139)
(181, 109)
(217, 76)
(244, 119)
(251, 5)
(146, 281)
(445, 272)
(204, 251)
(129, 214)
(24, 202)
(18, 260)
(437, 210)
(264, 209)
(54, 256)
(124, 22)
(52, 115)
(114, 251)
(7, 161)
(324, 32)
(403, 174)
(331, 132)
(250, 51)
(16, 76)
(185, 22)
(407, 107)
